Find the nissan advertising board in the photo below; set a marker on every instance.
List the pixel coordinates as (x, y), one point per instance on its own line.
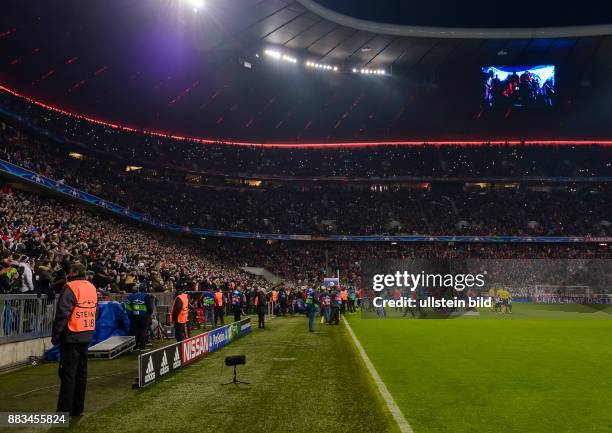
(155, 364)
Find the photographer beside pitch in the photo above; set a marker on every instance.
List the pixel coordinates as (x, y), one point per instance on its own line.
(73, 328)
(312, 303)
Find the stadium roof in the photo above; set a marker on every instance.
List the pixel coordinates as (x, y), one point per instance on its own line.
(161, 65)
(550, 17)
(467, 19)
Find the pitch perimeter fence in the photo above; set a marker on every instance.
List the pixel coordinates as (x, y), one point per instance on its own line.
(26, 317)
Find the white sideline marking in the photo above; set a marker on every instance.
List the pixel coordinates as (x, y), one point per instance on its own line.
(57, 386)
(382, 388)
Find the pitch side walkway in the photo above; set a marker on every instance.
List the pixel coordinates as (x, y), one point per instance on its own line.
(299, 383)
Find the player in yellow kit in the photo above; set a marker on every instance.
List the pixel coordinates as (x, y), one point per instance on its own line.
(493, 297)
(505, 300)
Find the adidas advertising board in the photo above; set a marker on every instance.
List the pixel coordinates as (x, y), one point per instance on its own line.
(164, 368)
(150, 371)
(178, 361)
(158, 363)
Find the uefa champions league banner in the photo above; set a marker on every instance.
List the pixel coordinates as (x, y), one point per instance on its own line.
(45, 182)
(154, 365)
(245, 327)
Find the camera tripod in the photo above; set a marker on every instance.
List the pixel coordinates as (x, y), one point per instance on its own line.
(236, 381)
(158, 332)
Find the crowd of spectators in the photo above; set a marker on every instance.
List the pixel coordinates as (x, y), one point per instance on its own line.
(386, 161)
(41, 237)
(310, 262)
(315, 208)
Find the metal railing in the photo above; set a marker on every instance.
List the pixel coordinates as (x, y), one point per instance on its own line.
(162, 298)
(271, 306)
(25, 317)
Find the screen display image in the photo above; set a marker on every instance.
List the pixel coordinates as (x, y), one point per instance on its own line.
(518, 86)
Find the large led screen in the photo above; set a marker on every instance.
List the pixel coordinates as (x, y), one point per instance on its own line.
(518, 86)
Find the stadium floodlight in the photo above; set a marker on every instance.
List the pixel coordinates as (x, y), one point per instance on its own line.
(323, 66)
(197, 5)
(280, 56)
(272, 53)
(367, 71)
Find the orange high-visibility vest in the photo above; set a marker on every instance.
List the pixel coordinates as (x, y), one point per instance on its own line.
(344, 295)
(274, 295)
(219, 299)
(183, 315)
(83, 317)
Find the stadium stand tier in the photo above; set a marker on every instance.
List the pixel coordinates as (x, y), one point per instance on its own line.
(540, 205)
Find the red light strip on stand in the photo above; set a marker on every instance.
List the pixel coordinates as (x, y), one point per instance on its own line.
(331, 145)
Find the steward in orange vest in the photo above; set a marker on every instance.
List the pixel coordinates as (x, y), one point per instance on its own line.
(179, 314)
(219, 307)
(73, 328)
(344, 298)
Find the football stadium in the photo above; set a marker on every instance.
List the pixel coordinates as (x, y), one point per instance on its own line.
(305, 216)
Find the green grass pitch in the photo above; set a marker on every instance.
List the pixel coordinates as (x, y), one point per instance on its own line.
(299, 383)
(542, 369)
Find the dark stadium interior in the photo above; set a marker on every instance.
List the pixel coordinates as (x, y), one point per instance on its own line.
(173, 61)
(166, 165)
